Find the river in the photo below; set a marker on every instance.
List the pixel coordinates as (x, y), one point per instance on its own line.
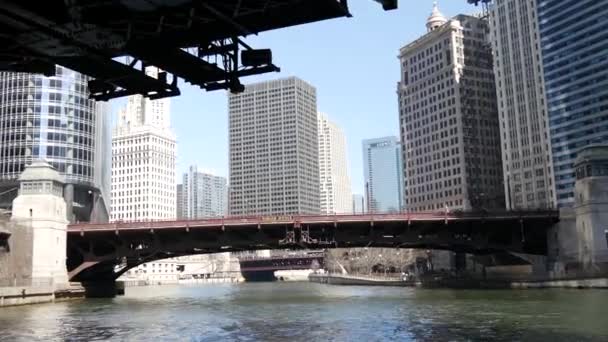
(315, 312)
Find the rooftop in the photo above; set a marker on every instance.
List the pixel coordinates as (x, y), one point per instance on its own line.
(40, 170)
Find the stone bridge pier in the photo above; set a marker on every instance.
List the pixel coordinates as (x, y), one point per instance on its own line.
(578, 244)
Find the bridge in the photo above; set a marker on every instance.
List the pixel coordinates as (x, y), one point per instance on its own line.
(103, 252)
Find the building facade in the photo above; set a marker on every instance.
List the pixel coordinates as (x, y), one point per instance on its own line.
(52, 119)
(383, 175)
(203, 195)
(143, 162)
(358, 204)
(575, 67)
(179, 198)
(449, 119)
(524, 129)
(274, 158)
(335, 187)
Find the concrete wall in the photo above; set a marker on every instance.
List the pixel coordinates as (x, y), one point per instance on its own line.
(46, 215)
(26, 295)
(591, 207)
(16, 262)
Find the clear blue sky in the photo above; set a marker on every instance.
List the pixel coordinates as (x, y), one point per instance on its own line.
(351, 61)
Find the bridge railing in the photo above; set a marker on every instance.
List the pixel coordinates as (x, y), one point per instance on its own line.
(288, 219)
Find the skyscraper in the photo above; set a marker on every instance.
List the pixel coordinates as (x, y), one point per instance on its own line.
(336, 195)
(274, 158)
(448, 117)
(51, 118)
(358, 204)
(179, 195)
(143, 161)
(524, 129)
(203, 195)
(574, 43)
(383, 175)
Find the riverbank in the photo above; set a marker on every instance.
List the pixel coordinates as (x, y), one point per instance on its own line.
(448, 282)
(367, 280)
(26, 295)
(191, 281)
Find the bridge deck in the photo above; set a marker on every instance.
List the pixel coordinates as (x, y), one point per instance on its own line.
(235, 222)
(95, 250)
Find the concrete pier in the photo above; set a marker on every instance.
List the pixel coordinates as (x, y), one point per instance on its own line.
(34, 239)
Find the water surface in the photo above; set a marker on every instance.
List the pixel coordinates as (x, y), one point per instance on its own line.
(315, 312)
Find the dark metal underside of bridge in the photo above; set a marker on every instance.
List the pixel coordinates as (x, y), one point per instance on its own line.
(95, 255)
(195, 40)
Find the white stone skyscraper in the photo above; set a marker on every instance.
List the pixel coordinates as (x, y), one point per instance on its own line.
(143, 161)
(274, 152)
(449, 119)
(335, 187)
(524, 128)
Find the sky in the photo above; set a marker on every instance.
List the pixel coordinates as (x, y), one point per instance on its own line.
(352, 62)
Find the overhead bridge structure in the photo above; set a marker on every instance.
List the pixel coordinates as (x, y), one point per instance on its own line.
(102, 252)
(198, 41)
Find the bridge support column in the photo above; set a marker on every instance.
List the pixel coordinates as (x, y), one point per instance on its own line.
(102, 289)
(41, 208)
(578, 245)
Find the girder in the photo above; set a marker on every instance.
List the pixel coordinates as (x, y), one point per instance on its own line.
(92, 36)
(139, 242)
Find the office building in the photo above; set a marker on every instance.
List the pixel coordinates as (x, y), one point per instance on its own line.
(143, 161)
(203, 195)
(52, 119)
(383, 175)
(274, 158)
(179, 196)
(524, 129)
(335, 191)
(449, 119)
(575, 65)
(358, 204)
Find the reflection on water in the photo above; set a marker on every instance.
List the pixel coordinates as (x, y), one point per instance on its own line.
(315, 312)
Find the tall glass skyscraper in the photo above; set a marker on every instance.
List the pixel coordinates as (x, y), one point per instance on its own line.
(574, 44)
(51, 118)
(383, 176)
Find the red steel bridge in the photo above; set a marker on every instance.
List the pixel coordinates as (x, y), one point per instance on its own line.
(102, 252)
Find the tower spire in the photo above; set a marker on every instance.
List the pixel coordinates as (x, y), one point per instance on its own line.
(436, 19)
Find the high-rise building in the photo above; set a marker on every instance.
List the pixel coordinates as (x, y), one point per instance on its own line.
(52, 118)
(449, 119)
(203, 195)
(383, 175)
(358, 204)
(524, 129)
(336, 194)
(274, 158)
(179, 195)
(143, 161)
(574, 43)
